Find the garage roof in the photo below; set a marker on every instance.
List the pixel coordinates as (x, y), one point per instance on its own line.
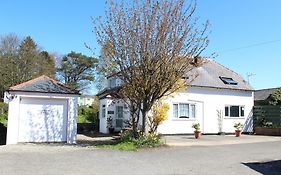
(43, 84)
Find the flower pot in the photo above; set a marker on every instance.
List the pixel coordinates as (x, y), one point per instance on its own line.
(197, 134)
(237, 133)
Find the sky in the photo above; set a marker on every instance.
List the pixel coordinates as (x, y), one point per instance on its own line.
(245, 35)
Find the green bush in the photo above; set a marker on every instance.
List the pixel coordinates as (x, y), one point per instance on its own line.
(86, 115)
(3, 113)
(132, 142)
(140, 139)
(126, 136)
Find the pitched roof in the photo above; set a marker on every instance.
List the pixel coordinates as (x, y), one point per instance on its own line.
(113, 92)
(263, 94)
(211, 74)
(43, 84)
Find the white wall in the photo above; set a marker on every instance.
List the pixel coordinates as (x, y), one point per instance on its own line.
(110, 105)
(208, 102)
(13, 115)
(103, 124)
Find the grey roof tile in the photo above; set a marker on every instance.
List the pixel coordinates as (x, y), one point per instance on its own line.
(209, 73)
(263, 94)
(43, 84)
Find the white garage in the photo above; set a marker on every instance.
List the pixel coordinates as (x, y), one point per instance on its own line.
(41, 110)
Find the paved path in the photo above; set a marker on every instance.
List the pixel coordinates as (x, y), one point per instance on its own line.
(230, 159)
(215, 140)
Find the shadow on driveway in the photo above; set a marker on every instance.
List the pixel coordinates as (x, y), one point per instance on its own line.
(266, 168)
(95, 139)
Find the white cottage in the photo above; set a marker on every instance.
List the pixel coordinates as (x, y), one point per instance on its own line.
(41, 110)
(216, 98)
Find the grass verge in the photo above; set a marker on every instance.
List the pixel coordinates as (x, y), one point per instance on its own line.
(123, 146)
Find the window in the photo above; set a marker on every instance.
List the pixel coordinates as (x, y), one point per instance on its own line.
(184, 110)
(103, 111)
(119, 111)
(228, 81)
(112, 82)
(234, 111)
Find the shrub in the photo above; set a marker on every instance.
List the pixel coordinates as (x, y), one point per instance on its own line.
(4, 113)
(147, 140)
(159, 114)
(86, 115)
(140, 139)
(127, 136)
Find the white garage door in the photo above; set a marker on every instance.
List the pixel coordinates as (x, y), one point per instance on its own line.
(42, 120)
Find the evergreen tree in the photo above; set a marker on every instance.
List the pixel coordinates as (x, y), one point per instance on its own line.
(77, 70)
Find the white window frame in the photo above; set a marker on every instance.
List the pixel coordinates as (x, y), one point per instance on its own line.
(232, 117)
(189, 111)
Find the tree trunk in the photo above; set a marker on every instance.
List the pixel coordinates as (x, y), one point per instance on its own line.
(144, 112)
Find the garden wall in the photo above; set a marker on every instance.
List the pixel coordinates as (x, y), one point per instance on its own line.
(267, 120)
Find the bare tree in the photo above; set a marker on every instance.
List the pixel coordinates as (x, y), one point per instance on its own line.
(150, 45)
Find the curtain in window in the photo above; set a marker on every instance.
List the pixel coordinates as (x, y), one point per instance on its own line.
(192, 111)
(184, 108)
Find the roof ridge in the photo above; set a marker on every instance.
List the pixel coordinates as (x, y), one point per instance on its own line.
(42, 78)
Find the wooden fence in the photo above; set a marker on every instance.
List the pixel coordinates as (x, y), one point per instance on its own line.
(268, 115)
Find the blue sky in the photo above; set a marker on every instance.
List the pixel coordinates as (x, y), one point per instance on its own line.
(246, 35)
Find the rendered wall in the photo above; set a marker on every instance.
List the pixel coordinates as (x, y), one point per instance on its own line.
(208, 102)
(13, 115)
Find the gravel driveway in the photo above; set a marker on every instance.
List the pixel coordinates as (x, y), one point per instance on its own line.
(246, 158)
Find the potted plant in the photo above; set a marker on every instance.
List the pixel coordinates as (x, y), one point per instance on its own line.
(197, 132)
(238, 127)
(110, 125)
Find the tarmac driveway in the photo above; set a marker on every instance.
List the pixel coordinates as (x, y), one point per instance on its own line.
(245, 158)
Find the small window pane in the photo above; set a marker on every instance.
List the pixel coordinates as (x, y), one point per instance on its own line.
(119, 111)
(103, 112)
(192, 111)
(175, 110)
(242, 111)
(184, 109)
(112, 82)
(234, 111)
(226, 113)
(227, 80)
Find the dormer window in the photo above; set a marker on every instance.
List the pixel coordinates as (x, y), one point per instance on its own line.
(112, 82)
(229, 81)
